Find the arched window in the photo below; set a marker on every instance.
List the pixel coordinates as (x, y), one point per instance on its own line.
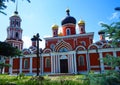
(63, 49)
(26, 63)
(68, 31)
(81, 61)
(54, 33)
(17, 35)
(52, 46)
(47, 63)
(83, 43)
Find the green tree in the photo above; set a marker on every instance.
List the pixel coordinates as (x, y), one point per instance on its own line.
(111, 77)
(3, 6)
(2, 65)
(112, 32)
(6, 51)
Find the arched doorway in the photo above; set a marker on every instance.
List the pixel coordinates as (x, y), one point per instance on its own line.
(63, 64)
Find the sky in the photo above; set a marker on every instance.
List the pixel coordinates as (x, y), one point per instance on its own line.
(39, 15)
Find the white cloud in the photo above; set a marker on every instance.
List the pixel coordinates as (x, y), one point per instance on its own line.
(27, 41)
(99, 23)
(115, 15)
(42, 44)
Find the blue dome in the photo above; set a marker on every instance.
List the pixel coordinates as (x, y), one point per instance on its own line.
(68, 19)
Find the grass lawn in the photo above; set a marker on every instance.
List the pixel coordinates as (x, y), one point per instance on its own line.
(13, 79)
(47, 80)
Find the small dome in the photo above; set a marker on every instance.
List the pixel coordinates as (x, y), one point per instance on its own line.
(54, 26)
(15, 13)
(68, 19)
(81, 22)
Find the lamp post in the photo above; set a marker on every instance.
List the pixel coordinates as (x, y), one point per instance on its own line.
(37, 39)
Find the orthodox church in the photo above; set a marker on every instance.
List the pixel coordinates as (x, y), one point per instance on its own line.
(64, 52)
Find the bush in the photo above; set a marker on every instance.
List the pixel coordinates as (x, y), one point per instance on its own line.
(20, 76)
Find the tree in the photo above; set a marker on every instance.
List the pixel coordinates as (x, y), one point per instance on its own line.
(2, 65)
(112, 32)
(3, 6)
(6, 50)
(111, 77)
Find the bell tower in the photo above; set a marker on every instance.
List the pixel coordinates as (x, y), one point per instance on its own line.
(14, 31)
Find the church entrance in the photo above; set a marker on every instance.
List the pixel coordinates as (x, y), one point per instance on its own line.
(64, 65)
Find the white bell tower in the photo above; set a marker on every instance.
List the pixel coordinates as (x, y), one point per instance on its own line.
(14, 31)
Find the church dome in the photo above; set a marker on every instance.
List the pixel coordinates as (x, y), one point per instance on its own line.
(68, 19)
(81, 22)
(54, 26)
(15, 14)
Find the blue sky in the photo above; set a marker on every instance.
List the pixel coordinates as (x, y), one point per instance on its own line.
(39, 15)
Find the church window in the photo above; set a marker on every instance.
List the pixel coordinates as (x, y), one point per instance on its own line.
(16, 35)
(26, 63)
(55, 33)
(68, 31)
(63, 49)
(12, 23)
(16, 47)
(16, 23)
(52, 46)
(81, 61)
(47, 63)
(83, 43)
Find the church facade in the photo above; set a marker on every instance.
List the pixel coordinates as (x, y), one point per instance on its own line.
(64, 52)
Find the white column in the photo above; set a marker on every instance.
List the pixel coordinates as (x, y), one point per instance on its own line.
(59, 63)
(20, 70)
(88, 61)
(54, 63)
(75, 67)
(101, 62)
(30, 64)
(69, 64)
(72, 63)
(115, 55)
(11, 63)
(52, 67)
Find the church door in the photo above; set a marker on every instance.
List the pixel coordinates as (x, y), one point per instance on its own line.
(64, 65)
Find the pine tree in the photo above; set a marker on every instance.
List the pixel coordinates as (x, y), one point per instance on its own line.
(3, 6)
(110, 77)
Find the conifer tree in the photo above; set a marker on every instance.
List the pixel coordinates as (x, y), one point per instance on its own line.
(3, 6)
